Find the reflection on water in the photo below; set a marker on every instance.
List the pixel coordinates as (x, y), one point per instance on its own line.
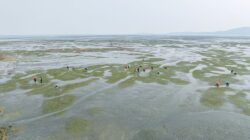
(133, 88)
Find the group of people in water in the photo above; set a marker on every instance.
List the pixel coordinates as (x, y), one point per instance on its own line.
(40, 80)
(138, 69)
(218, 82)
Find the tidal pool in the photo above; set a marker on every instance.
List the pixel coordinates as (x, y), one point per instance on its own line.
(118, 88)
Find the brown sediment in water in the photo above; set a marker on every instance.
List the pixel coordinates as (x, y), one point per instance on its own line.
(5, 57)
(1, 111)
(6, 130)
(3, 133)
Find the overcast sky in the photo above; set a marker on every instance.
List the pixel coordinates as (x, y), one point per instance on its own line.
(46, 17)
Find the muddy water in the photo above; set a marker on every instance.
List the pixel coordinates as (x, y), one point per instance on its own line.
(100, 96)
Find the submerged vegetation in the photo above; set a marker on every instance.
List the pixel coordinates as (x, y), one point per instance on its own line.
(57, 104)
(77, 125)
(213, 97)
(146, 69)
(240, 100)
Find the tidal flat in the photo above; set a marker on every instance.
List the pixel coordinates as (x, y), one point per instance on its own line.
(125, 88)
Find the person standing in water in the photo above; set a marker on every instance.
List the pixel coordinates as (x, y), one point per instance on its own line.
(227, 84)
(232, 71)
(34, 79)
(217, 84)
(152, 68)
(138, 69)
(41, 80)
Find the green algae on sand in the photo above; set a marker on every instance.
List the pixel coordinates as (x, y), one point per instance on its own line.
(11, 84)
(50, 90)
(8, 86)
(57, 104)
(46, 90)
(64, 74)
(77, 85)
(127, 83)
(117, 75)
(23, 81)
(201, 75)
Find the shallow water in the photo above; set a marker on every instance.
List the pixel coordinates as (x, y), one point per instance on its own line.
(99, 98)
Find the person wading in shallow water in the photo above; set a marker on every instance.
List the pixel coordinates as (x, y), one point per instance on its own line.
(152, 68)
(41, 80)
(34, 79)
(138, 69)
(217, 84)
(227, 84)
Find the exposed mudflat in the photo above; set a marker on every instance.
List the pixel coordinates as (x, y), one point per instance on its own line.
(125, 88)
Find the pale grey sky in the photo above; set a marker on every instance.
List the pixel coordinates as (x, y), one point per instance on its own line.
(45, 17)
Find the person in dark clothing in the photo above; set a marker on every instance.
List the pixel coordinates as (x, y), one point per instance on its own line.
(144, 70)
(227, 84)
(34, 79)
(232, 71)
(68, 67)
(138, 70)
(152, 68)
(127, 67)
(41, 80)
(217, 84)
